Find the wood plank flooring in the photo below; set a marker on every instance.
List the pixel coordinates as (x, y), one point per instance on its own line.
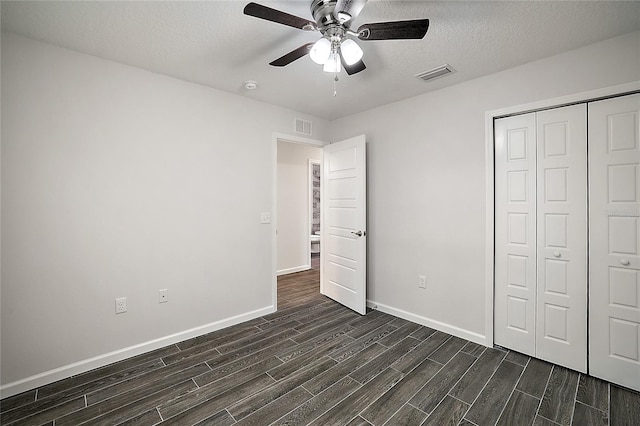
(316, 362)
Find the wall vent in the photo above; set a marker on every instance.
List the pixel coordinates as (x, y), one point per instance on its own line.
(440, 71)
(303, 127)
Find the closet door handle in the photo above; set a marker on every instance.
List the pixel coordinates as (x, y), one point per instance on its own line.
(625, 262)
(556, 254)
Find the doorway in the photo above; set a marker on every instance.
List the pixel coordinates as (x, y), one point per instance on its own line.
(295, 203)
(343, 217)
(295, 219)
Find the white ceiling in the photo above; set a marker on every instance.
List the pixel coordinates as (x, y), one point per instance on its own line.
(214, 44)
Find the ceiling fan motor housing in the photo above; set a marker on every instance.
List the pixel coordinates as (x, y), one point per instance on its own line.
(322, 12)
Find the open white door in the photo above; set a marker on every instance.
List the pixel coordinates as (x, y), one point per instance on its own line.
(343, 223)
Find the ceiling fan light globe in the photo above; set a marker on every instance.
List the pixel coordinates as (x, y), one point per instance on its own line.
(351, 52)
(333, 64)
(320, 51)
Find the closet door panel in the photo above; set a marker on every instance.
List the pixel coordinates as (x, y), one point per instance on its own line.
(515, 257)
(561, 334)
(614, 253)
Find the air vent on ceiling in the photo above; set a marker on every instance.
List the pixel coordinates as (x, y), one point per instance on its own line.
(436, 72)
(303, 127)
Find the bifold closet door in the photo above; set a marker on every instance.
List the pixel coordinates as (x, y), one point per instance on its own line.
(614, 261)
(540, 235)
(515, 233)
(561, 332)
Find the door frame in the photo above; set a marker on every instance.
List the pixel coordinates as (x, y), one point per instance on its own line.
(283, 137)
(490, 116)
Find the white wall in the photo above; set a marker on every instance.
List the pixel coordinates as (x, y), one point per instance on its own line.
(426, 181)
(293, 205)
(120, 182)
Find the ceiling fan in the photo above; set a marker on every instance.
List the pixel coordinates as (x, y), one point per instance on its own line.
(333, 20)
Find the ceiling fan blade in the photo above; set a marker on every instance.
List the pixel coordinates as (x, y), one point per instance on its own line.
(273, 15)
(352, 69)
(395, 30)
(352, 7)
(292, 56)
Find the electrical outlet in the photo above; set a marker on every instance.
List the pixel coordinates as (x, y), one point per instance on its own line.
(121, 305)
(422, 281)
(163, 295)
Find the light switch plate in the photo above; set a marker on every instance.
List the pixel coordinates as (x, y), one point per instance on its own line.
(265, 217)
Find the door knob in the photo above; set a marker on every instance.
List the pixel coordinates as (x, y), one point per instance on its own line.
(358, 234)
(557, 254)
(625, 262)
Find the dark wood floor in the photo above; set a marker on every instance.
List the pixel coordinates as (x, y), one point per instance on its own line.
(315, 362)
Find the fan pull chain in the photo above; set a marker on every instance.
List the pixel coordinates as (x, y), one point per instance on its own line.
(335, 84)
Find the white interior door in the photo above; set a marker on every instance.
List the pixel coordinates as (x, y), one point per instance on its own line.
(561, 331)
(343, 224)
(515, 233)
(614, 249)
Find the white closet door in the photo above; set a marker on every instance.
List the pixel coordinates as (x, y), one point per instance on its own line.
(515, 233)
(561, 332)
(614, 261)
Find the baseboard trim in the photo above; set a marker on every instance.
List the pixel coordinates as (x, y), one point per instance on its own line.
(428, 322)
(83, 366)
(293, 270)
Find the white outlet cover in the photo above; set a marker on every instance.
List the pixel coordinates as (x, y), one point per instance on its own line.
(121, 305)
(422, 281)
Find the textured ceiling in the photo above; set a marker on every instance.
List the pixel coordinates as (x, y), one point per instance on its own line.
(214, 44)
